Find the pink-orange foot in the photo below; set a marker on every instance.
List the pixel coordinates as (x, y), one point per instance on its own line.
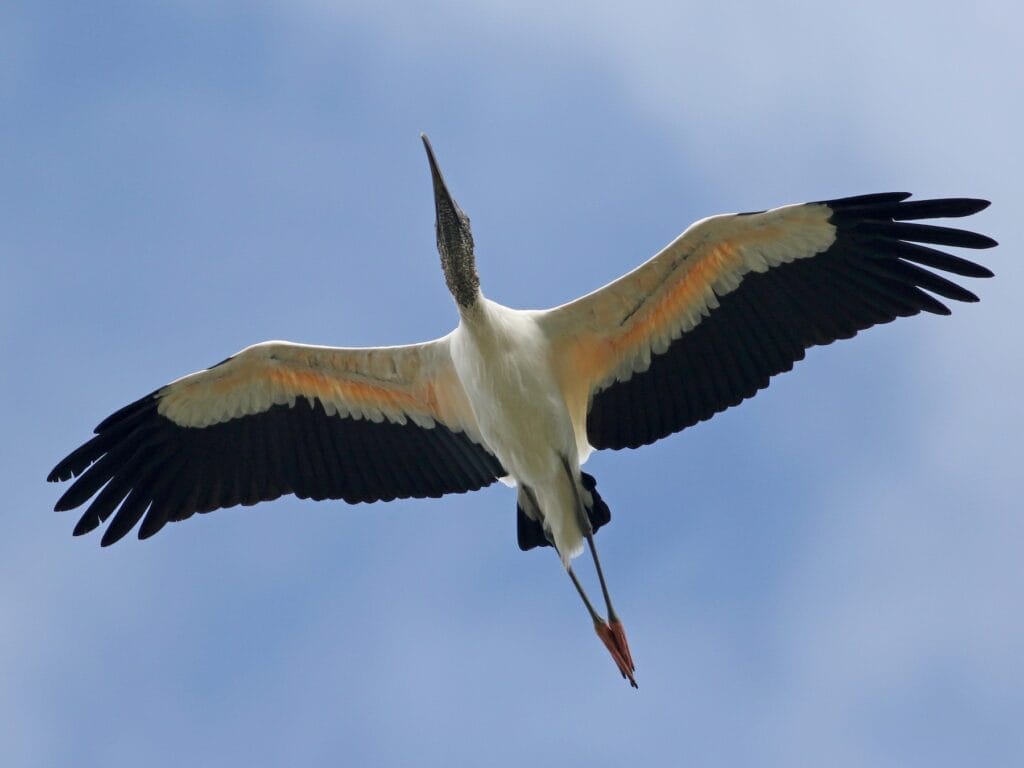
(613, 635)
(619, 632)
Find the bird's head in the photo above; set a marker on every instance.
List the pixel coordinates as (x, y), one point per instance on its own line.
(454, 239)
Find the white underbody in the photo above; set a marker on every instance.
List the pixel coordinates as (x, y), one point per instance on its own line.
(503, 360)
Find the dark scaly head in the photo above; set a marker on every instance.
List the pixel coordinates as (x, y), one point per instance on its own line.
(454, 239)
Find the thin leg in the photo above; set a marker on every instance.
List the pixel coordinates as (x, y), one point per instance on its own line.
(612, 635)
(586, 600)
(614, 624)
(600, 577)
(585, 528)
(610, 632)
(615, 631)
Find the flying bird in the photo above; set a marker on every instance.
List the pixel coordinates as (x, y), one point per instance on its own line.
(525, 395)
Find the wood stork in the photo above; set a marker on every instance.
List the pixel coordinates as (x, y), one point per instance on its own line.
(524, 395)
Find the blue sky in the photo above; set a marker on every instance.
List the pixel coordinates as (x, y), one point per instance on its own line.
(829, 574)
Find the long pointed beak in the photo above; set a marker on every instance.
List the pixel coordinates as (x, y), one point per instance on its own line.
(454, 239)
(444, 203)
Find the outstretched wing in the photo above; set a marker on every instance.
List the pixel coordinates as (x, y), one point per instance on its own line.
(277, 418)
(737, 299)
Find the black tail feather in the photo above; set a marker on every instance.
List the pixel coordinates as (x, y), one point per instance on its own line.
(530, 533)
(598, 513)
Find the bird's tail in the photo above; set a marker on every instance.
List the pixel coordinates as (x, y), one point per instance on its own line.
(531, 532)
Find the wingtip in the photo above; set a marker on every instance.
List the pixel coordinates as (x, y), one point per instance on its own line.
(65, 502)
(61, 472)
(86, 524)
(111, 536)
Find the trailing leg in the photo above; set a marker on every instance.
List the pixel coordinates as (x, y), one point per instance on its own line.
(612, 633)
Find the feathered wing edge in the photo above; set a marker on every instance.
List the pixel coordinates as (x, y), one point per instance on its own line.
(358, 425)
(742, 297)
